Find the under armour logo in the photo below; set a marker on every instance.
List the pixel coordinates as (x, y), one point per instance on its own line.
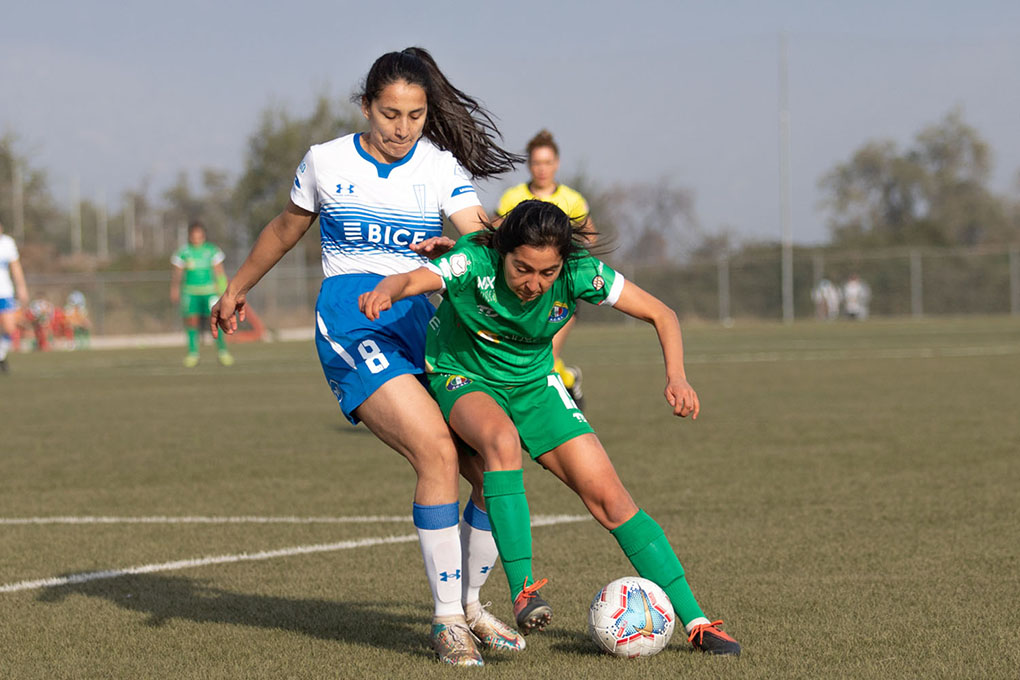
(486, 570)
(340, 188)
(445, 576)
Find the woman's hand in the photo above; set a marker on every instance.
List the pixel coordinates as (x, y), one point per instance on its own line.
(227, 311)
(433, 247)
(682, 397)
(373, 303)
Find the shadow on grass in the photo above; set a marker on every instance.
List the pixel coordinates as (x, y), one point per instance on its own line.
(164, 598)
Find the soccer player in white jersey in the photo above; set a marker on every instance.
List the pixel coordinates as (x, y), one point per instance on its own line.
(380, 197)
(12, 291)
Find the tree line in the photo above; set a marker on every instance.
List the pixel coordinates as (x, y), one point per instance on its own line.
(932, 193)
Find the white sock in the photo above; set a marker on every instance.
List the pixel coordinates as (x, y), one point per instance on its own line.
(479, 550)
(5, 346)
(438, 535)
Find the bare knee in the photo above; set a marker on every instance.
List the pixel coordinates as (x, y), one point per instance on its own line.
(502, 450)
(611, 508)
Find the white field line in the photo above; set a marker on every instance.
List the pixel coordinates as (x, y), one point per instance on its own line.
(204, 520)
(538, 520)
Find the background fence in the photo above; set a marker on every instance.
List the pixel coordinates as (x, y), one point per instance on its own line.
(915, 282)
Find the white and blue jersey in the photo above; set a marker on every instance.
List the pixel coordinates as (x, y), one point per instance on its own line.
(369, 213)
(8, 254)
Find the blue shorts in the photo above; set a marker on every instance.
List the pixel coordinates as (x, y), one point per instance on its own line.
(8, 304)
(359, 355)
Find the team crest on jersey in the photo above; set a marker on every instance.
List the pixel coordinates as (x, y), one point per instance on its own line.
(455, 382)
(301, 168)
(598, 283)
(559, 312)
(458, 264)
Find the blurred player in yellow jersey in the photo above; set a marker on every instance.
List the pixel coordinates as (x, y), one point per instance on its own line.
(543, 164)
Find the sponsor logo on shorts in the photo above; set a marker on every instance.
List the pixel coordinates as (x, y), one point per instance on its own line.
(559, 312)
(598, 283)
(455, 382)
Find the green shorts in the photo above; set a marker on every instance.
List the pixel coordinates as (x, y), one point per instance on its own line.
(197, 305)
(542, 410)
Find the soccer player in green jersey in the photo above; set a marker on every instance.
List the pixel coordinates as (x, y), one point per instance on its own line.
(489, 354)
(197, 281)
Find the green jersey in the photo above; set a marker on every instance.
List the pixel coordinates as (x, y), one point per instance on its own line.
(482, 330)
(197, 263)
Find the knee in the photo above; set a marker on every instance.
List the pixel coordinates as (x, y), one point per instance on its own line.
(502, 450)
(436, 456)
(611, 507)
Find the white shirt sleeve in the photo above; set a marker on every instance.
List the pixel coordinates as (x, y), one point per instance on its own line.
(455, 190)
(304, 193)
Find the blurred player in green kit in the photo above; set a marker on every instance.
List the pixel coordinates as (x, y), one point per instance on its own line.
(198, 280)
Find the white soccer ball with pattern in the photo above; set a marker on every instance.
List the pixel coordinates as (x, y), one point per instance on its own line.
(631, 617)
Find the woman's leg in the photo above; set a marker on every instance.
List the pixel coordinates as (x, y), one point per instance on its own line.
(483, 426)
(583, 465)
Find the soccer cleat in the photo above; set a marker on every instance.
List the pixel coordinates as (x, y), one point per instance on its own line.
(711, 639)
(454, 644)
(576, 393)
(226, 358)
(191, 361)
(530, 610)
(490, 631)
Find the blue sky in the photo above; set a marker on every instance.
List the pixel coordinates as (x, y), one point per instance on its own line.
(117, 93)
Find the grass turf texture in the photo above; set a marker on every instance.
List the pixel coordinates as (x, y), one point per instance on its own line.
(846, 502)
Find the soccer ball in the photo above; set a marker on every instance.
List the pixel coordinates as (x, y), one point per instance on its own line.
(631, 617)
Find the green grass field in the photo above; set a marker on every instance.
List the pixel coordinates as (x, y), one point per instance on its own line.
(847, 503)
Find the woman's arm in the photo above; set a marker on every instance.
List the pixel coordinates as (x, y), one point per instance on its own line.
(397, 287)
(643, 305)
(278, 237)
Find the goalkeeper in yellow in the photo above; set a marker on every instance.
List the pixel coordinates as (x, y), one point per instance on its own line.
(196, 283)
(543, 164)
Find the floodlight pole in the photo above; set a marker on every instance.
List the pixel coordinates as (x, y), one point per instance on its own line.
(784, 183)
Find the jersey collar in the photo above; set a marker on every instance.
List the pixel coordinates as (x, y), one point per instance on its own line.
(384, 169)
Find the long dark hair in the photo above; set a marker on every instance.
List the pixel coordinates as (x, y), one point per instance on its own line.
(536, 223)
(455, 121)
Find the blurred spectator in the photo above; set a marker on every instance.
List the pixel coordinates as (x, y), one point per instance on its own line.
(856, 296)
(825, 295)
(76, 315)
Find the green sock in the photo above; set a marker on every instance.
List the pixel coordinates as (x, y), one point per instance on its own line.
(221, 342)
(510, 518)
(648, 549)
(192, 340)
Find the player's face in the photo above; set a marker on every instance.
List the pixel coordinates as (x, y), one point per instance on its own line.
(530, 270)
(196, 237)
(395, 121)
(543, 163)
